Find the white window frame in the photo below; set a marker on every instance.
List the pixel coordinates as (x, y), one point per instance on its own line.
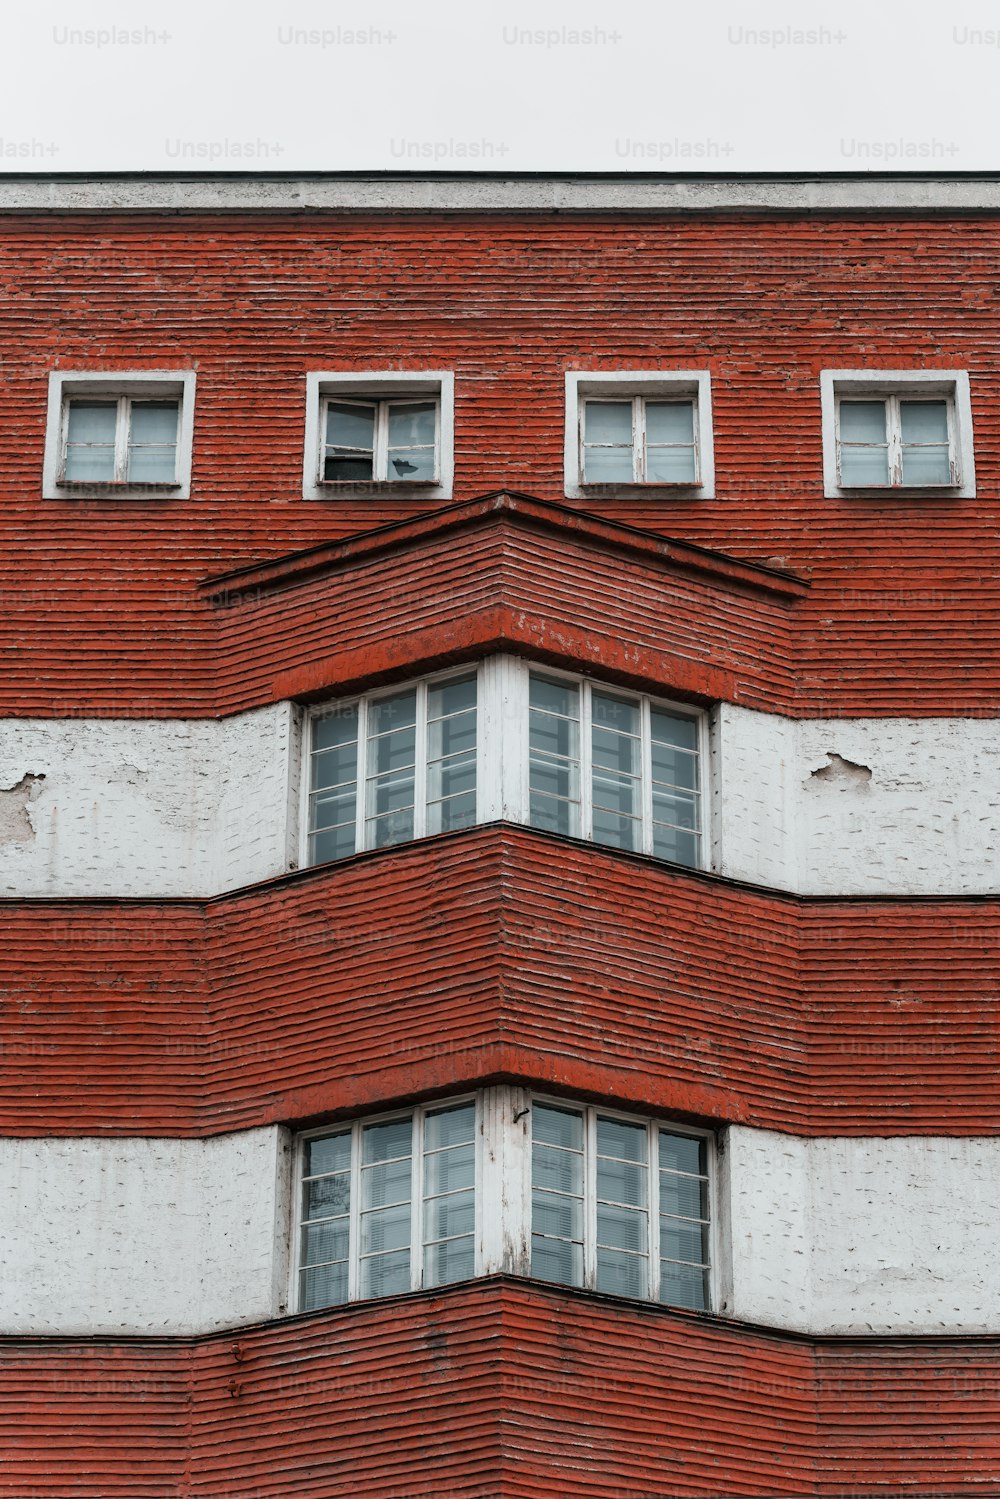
(645, 702)
(355, 1127)
(892, 386)
(641, 386)
(653, 1126)
(377, 386)
(364, 703)
(124, 386)
(502, 751)
(503, 1192)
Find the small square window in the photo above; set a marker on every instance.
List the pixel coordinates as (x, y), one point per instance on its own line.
(127, 434)
(377, 433)
(897, 430)
(652, 429)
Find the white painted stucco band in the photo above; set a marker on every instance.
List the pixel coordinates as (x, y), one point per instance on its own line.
(142, 1236)
(178, 1237)
(636, 192)
(159, 808)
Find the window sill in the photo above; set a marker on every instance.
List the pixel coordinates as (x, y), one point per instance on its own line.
(111, 489)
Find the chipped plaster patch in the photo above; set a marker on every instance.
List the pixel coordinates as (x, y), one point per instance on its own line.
(15, 824)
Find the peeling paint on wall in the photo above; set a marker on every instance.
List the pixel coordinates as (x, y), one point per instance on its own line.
(15, 824)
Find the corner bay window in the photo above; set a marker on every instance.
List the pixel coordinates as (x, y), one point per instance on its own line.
(434, 1195)
(557, 752)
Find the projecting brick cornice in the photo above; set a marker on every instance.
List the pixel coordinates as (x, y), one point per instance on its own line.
(505, 572)
(500, 952)
(501, 1388)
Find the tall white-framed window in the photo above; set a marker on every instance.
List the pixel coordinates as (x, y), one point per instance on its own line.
(897, 430)
(375, 433)
(617, 768)
(388, 1205)
(119, 434)
(639, 428)
(621, 1205)
(393, 766)
(507, 740)
(510, 1181)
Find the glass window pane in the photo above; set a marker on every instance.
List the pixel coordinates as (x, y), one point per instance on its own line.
(391, 793)
(386, 1183)
(555, 1260)
(90, 465)
(383, 832)
(332, 1153)
(351, 427)
(412, 426)
(450, 1170)
(386, 1275)
(153, 421)
(674, 767)
(621, 1228)
(93, 421)
(449, 816)
(451, 777)
(683, 1153)
(328, 1196)
(388, 1229)
(557, 1170)
(334, 767)
(683, 1196)
(323, 1242)
(676, 846)
(608, 466)
(670, 421)
(452, 736)
(449, 1217)
(622, 1274)
(683, 1241)
(682, 1285)
(332, 843)
(924, 421)
(670, 466)
(554, 816)
(864, 466)
(417, 465)
(445, 1263)
(613, 719)
(335, 726)
(676, 808)
(616, 1137)
(621, 1181)
(326, 1286)
(387, 714)
(559, 1217)
(554, 736)
(454, 1126)
(616, 793)
(608, 421)
(614, 831)
(673, 728)
(151, 465)
(557, 1127)
(862, 421)
(554, 697)
(383, 1142)
(340, 470)
(926, 466)
(451, 697)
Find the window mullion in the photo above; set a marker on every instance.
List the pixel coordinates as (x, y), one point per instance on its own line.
(590, 1199)
(122, 423)
(381, 455)
(639, 439)
(417, 1203)
(895, 440)
(354, 1229)
(362, 776)
(653, 1208)
(586, 762)
(420, 763)
(646, 774)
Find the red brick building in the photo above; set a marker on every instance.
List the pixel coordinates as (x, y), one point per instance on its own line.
(499, 813)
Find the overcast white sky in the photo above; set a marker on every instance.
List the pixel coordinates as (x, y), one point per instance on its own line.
(625, 86)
